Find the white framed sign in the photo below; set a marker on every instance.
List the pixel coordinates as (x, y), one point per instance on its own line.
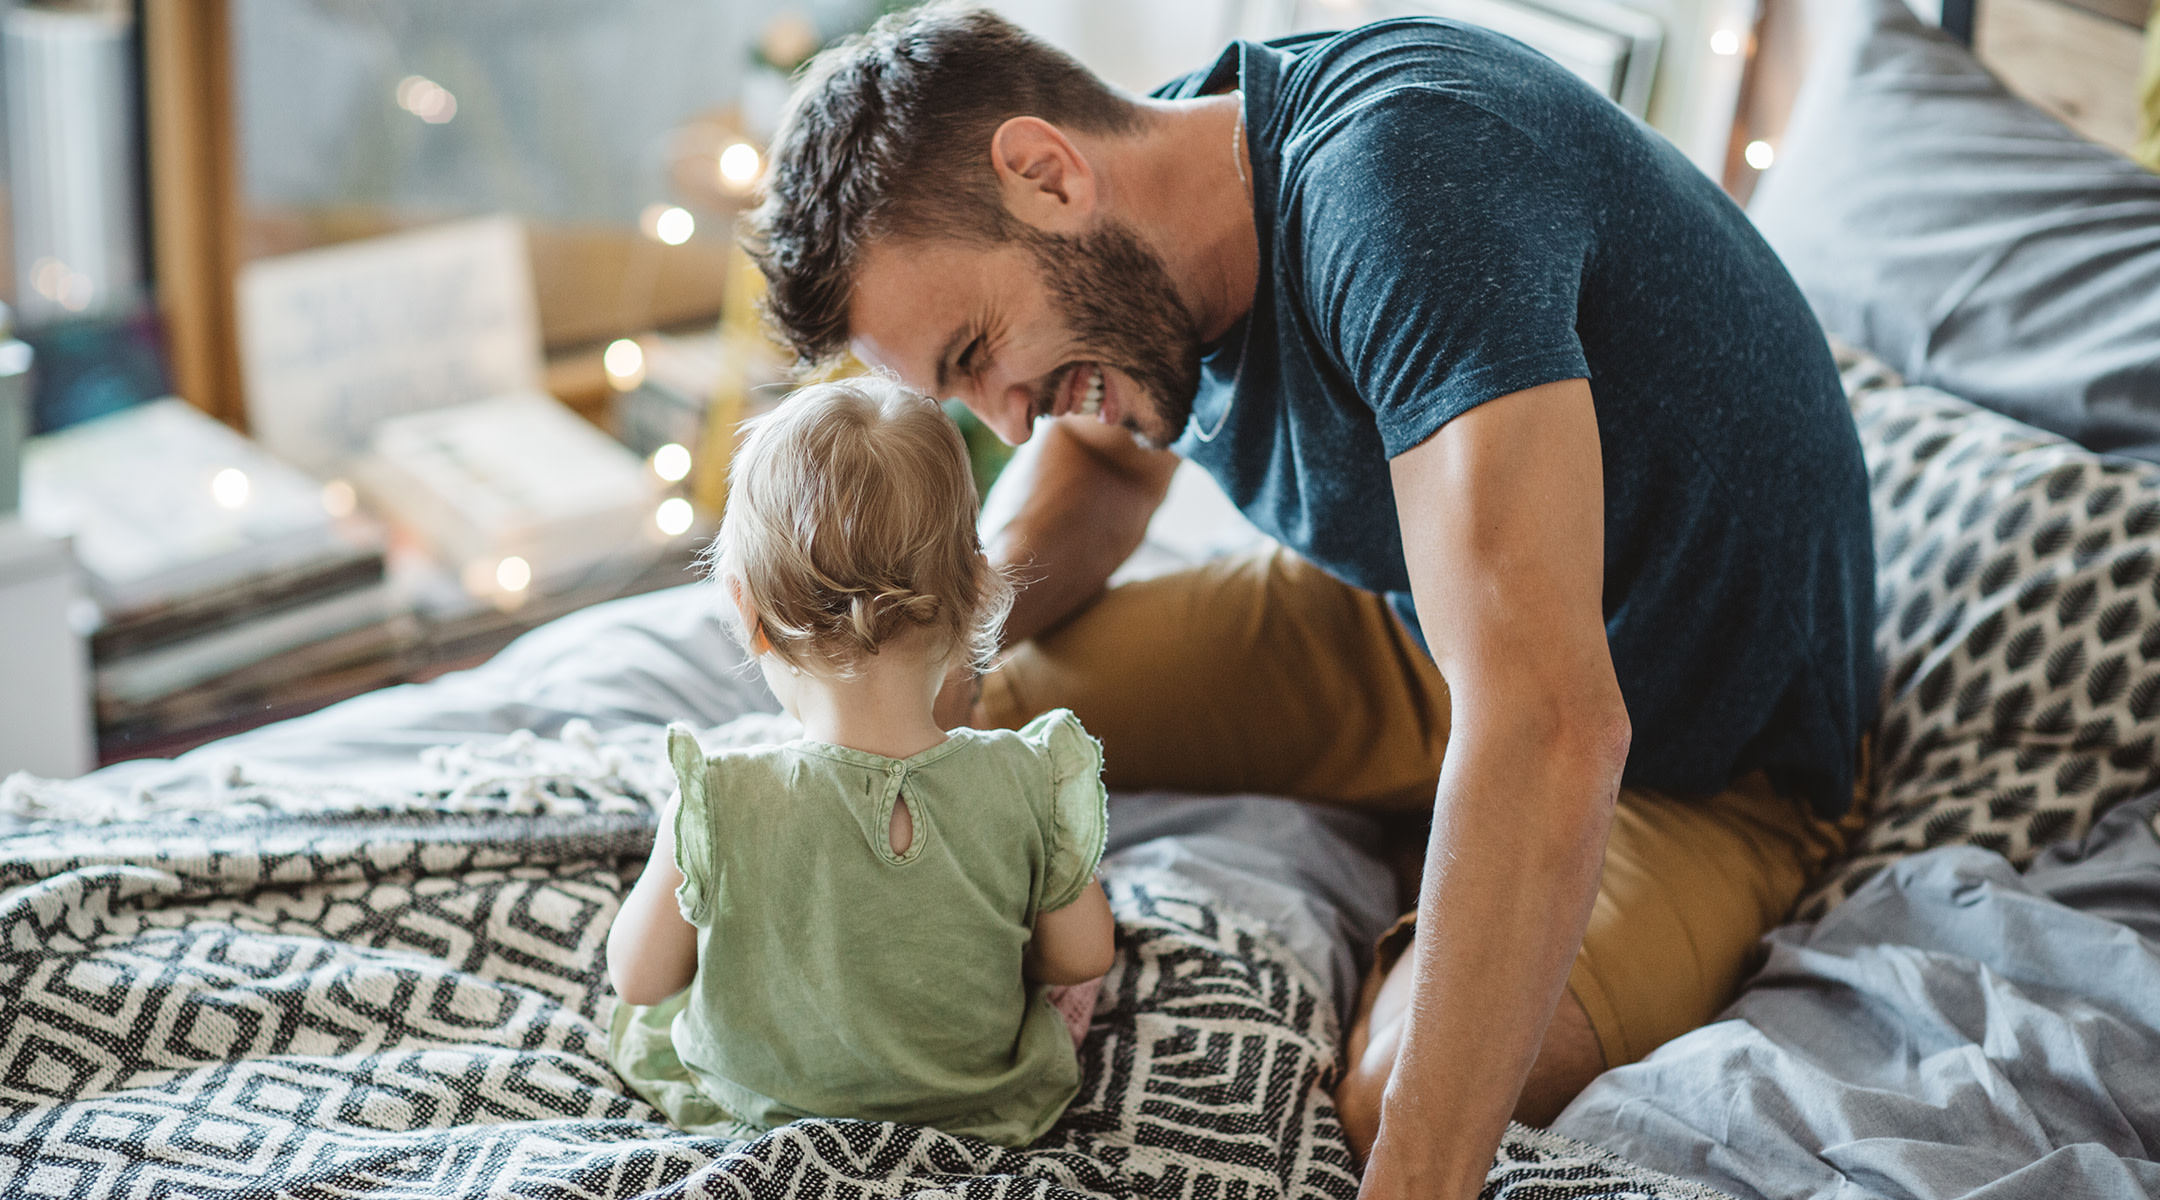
(336, 340)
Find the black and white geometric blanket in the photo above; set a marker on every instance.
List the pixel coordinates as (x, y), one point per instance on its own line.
(405, 996)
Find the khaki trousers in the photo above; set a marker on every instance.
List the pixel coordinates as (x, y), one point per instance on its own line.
(1265, 674)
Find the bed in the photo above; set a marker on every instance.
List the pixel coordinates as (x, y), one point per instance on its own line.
(358, 953)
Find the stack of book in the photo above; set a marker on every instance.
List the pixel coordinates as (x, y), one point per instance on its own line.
(215, 571)
(517, 495)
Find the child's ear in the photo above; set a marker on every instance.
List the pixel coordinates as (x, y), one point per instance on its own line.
(759, 644)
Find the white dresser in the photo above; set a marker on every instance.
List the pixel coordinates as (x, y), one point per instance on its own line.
(45, 718)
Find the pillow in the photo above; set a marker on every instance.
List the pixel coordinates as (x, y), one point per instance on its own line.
(1971, 241)
(2018, 622)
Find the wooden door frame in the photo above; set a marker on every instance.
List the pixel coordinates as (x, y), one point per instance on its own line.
(194, 197)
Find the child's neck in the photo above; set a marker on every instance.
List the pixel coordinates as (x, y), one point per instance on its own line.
(884, 708)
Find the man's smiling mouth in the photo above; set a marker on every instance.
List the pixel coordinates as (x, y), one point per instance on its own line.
(1077, 390)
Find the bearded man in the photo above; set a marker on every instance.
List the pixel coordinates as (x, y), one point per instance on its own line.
(1578, 556)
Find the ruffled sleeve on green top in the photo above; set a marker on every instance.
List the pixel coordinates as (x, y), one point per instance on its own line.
(1078, 822)
(693, 825)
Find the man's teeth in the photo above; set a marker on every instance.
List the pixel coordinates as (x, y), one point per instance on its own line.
(1091, 403)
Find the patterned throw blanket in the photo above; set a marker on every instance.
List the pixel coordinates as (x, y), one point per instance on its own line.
(311, 992)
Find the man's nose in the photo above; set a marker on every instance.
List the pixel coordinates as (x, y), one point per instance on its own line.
(1008, 411)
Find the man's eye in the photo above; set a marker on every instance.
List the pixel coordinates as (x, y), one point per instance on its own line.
(970, 357)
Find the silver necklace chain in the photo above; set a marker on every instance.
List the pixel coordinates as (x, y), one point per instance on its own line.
(1237, 159)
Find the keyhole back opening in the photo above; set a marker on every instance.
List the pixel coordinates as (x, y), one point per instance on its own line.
(902, 832)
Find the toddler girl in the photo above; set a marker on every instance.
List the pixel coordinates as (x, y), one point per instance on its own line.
(863, 923)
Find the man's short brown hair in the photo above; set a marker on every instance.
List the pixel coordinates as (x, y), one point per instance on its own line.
(888, 134)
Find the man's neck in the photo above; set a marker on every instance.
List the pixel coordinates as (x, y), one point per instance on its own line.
(1182, 184)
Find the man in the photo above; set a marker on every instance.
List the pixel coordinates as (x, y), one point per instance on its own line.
(1574, 497)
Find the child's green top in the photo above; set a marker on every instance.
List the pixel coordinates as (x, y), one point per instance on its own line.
(836, 978)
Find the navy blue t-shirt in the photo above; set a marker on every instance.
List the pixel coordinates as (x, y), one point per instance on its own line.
(1446, 217)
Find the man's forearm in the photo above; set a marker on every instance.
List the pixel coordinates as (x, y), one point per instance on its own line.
(1503, 519)
(1517, 846)
(1071, 507)
(1055, 582)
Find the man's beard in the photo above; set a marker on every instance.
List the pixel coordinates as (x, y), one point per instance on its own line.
(1115, 295)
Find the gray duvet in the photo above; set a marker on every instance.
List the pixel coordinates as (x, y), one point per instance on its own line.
(1956, 1029)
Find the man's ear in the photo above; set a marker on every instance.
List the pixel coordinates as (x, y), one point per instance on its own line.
(1045, 180)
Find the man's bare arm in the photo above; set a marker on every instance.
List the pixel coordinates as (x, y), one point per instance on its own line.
(1072, 506)
(1503, 529)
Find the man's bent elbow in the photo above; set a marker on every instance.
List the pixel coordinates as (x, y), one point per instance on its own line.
(1605, 738)
(1591, 744)
(1589, 733)
(1616, 735)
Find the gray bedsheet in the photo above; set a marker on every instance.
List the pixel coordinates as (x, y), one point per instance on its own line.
(1955, 1029)
(1305, 872)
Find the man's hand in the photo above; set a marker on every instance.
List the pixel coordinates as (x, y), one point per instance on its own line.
(1068, 510)
(1502, 514)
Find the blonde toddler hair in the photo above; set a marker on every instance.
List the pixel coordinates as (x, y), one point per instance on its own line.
(851, 520)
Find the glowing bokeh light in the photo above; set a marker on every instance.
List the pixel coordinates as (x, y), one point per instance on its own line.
(49, 275)
(674, 226)
(673, 516)
(229, 488)
(739, 166)
(513, 574)
(1760, 155)
(59, 282)
(624, 363)
(338, 498)
(671, 462)
(426, 99)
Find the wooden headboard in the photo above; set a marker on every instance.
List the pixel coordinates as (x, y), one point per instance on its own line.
(2078, 59)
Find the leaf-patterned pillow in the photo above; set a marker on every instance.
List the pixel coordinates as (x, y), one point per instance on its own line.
(2018, 623)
